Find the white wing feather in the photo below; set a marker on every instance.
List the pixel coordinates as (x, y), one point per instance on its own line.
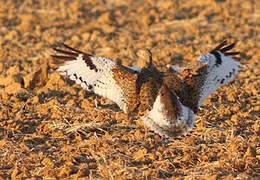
(98, 78)
(217, 74)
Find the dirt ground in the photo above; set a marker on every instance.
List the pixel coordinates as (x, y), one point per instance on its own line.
(51, 128)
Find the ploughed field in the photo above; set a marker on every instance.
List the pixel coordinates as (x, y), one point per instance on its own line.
(52, 128)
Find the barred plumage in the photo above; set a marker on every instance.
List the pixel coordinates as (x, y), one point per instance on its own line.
(166, 101)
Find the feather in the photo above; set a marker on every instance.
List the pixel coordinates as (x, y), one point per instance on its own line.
(93, 73)
(165, 101)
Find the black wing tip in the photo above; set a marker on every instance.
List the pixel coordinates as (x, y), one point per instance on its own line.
(232, 53)
(69, 51)
(60, 45)
(224, 48)
(70, 48)
(223, 43)
(75, 50)
(62, 57)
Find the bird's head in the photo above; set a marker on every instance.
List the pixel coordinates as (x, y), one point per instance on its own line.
(145, 58)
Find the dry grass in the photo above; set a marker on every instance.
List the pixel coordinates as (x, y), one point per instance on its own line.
(51, 128)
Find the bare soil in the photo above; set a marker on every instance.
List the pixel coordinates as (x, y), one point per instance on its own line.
(52, 128)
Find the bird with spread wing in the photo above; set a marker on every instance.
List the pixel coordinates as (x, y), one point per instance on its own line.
(166, 101)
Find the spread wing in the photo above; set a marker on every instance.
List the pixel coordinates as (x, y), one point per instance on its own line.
(201, 79)
(220, 69)
(99, 75)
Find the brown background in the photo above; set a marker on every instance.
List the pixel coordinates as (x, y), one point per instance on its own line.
(50, 127)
